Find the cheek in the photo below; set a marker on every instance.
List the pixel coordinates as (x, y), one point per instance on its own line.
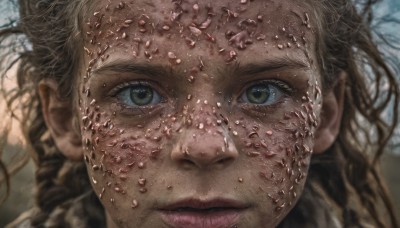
(279, 152)
(115, 152)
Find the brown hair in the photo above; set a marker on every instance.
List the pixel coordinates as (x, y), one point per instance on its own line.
(345, 43)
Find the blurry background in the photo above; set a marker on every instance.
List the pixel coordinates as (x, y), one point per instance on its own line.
(21, 197)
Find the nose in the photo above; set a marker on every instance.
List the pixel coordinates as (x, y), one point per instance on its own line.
(205, 150)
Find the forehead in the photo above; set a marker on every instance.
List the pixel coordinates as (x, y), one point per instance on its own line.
(178, 30)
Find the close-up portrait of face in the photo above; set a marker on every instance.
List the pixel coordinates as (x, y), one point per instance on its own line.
(200, 114)
(203, 114)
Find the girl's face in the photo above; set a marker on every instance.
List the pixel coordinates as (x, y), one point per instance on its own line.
(198, 114)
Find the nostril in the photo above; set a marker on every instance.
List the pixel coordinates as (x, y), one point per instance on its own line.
(225, 160)
(188, 163)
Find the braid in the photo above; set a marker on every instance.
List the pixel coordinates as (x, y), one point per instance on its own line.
(64, 194)
(64, 197)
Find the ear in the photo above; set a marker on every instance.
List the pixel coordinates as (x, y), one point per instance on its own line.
(331, 115)
(60, 119)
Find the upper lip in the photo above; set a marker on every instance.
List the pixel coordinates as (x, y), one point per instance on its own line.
(193, 203)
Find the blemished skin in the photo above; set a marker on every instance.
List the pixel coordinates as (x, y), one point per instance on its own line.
(197, 114)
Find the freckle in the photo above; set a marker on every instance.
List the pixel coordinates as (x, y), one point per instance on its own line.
(225, 119)
(85, 119)
(205, 25)
(195, 31)
(196, 7)
(102, 192)
(253, 153)
(121, 5)
(148, 43)
(148, 55)
(269, 154)
(122, 170)
(142, 22)
(253, 134)
(95, 167)
(201, 126)
(232, 55)
(142, 181)
(190, 42)
(171, 55)
(87, 142)
(128, 21)
(191, 78)
(279, 208)
(262, 142)
(123, 177)
(141, 165)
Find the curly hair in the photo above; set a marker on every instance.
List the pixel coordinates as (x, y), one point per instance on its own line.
(345, 42)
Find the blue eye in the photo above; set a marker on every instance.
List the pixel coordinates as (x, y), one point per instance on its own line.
(139, 95)
(262, 94)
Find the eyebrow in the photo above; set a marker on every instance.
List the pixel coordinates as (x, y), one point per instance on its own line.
(154, 70)
(132, 67)
(270, 65)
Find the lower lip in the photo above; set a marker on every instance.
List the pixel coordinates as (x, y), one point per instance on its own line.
(190, 219)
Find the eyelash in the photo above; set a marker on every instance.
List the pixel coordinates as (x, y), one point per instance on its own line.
(280, 85)
(284, 87)
(115, 93)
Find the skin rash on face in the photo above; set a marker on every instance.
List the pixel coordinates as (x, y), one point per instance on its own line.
(198, 114)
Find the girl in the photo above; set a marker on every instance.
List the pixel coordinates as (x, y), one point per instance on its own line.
(203, 114)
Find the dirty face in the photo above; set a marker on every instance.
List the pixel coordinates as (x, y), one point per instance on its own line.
(198, 114)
